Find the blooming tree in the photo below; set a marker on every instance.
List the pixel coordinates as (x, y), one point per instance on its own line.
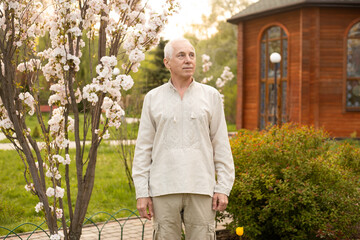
(124, 30)
(225, 77)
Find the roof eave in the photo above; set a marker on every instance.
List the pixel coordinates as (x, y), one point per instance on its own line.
(236, 20)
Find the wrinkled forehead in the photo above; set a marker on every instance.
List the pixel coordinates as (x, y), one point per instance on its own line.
(183, 46)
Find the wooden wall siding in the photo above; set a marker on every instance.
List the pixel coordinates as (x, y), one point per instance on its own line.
(240, 79)
(250, 93)
(305, 55)
(315, 68)
(314, 111)
(333, 117)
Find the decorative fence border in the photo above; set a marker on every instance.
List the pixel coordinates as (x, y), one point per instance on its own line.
(87, 223)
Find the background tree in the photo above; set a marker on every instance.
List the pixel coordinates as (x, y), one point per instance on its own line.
(122, 33)
(155, 72)
(220, 46)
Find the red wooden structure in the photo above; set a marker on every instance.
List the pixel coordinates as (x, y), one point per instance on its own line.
(318, 80)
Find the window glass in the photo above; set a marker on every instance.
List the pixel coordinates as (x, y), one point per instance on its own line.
(274, 46)
(263, 60)
(274, 32)
(274, 39)
(283, 98)
(285, 57)
(353, 69)
(353, 58)
(262, 103)
(353, 93)
(355, 31)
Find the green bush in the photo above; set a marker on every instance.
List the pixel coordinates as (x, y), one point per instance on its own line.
(294, 182)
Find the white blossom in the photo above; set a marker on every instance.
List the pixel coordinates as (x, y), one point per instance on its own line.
(50, 192)
(29, 100)
(90, 93)
(206, 62)
(39, 206)
(59, 213)
(59, 192)
(116, 71)
(49, 174)
(126, 81)
(207, 79)
(136, 56)
(29, 187)
(220, 83)
(106, 135)
(227, 75)
(32, 65)
(107, 103)
(67, 159)
(58, 158)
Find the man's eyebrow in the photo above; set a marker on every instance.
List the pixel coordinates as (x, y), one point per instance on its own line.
(182, 52)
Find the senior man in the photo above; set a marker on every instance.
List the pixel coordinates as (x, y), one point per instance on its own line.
(183, 168)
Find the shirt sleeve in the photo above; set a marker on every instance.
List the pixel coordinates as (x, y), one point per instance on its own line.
(223, 159)
(143, 151)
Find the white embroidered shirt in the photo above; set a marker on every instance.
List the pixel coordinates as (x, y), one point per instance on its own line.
(182, 144)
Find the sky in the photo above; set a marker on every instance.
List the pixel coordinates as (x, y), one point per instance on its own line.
(190, 12)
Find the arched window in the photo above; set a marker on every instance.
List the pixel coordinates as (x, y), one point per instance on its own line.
(273, 106)
(353, 69)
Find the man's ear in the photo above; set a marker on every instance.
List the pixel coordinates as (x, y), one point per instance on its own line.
(166, 63)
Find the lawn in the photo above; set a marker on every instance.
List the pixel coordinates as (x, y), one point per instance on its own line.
(111, 192)
(125, 131)
(231, 127)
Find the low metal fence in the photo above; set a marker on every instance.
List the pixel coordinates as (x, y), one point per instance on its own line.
(112, 228)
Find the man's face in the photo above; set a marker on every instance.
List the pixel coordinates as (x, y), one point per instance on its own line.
(183, 60)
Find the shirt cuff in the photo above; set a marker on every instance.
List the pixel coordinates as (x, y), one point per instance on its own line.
(224, 190)
(142, 193)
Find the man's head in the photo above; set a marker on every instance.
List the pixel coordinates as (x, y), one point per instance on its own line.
(180, 58)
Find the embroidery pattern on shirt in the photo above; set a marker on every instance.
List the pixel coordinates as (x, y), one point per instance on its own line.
(182, 123)
(171, 120)
(191, 122)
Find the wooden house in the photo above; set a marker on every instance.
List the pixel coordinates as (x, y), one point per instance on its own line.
(318, 77)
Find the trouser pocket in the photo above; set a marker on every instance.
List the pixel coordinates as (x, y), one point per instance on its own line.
(197, 232)
(211, 232)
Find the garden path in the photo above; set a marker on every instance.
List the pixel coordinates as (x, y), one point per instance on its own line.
(130, 230)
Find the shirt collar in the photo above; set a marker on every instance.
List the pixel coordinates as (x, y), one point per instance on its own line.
(190, 86)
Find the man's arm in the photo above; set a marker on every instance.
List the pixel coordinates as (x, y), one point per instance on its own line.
(223, 160)
(143, 150)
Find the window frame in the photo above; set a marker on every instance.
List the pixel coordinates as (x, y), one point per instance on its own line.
(268, 80)
(345, 74)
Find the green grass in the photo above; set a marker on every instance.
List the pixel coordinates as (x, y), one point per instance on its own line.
(125, 131)
(111, 192)
(231, 127)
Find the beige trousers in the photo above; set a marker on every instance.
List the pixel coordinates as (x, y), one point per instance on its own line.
(193, 210)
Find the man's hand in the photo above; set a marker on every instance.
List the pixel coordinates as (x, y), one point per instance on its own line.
(145, 207)
(220, 201)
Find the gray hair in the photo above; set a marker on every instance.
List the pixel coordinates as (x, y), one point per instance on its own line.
(168, 49)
